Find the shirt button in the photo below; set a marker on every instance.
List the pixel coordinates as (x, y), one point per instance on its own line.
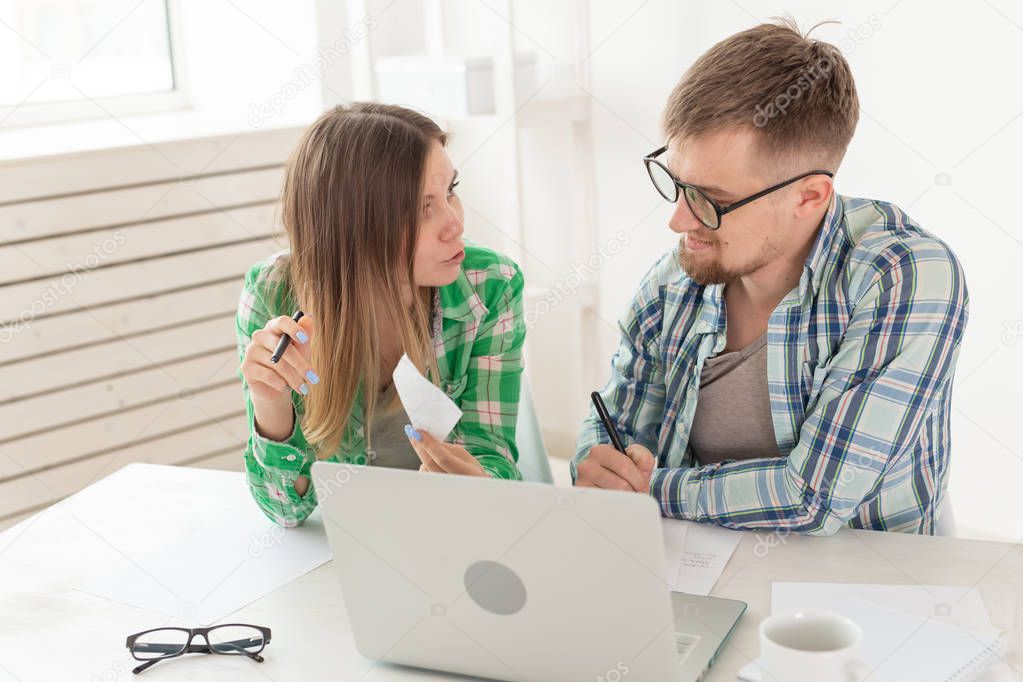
(291, 458)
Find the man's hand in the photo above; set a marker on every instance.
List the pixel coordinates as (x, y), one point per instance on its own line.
(443, 458)
(605, 467)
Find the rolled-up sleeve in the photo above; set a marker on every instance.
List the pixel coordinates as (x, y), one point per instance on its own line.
(271, 466)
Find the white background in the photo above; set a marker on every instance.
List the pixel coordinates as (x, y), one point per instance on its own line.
(939, 135)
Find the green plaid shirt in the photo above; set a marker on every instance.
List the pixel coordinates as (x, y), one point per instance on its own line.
(477, 335)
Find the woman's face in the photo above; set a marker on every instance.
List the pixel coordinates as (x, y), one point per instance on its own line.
(439, 247)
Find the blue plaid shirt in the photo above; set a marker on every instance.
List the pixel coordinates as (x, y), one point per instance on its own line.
(860, 363)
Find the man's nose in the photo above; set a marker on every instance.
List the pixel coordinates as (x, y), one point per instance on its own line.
(682, 219)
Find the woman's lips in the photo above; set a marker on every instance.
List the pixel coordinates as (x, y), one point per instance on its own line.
(457, 258)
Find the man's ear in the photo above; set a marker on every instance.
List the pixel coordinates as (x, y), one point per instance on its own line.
(814, 194)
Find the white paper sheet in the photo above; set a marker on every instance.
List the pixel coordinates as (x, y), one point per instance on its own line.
(911, 632)
(428, 407)
(696, 554)
(197, 546)
(948, 603)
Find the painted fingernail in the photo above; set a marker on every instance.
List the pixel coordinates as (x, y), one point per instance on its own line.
(311, 376)
(412, 433)
(304, 389)
(301, 336)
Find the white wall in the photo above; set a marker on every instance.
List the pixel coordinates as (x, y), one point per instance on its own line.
(938, 96)
(939, 99)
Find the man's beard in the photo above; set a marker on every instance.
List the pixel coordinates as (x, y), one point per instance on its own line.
(703, 270)
(706, 271)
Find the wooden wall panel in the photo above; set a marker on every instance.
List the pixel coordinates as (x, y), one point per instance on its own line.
(120, 272)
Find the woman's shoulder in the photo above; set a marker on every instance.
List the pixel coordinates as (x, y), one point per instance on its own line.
(268, 280)
(487, 279)
(487, 269)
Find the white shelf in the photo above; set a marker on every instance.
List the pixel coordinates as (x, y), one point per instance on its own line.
(541, 112)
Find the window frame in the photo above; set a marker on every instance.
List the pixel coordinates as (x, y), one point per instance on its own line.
(72, 111)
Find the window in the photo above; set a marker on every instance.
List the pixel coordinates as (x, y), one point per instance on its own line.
(76, 59)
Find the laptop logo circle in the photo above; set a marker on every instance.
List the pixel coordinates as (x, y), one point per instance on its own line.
(495, 587)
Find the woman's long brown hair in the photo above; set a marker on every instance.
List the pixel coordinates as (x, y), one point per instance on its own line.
(351, 204)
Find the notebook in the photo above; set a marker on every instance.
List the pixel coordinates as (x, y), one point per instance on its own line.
(911, 633)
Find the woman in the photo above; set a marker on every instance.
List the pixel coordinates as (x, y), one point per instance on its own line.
(378, 265)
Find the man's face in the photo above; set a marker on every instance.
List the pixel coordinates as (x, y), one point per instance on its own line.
(724, 166)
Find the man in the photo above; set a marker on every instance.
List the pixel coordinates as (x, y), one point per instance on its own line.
(789, 364)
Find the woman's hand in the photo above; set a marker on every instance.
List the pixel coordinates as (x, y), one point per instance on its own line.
(273, 383)
(443, 458)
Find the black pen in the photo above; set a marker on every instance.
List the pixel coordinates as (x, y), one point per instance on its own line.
(282, 345)
(609, 426)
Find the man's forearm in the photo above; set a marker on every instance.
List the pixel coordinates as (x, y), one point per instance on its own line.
(748, 494)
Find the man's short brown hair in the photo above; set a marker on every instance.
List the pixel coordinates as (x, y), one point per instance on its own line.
(797, 93)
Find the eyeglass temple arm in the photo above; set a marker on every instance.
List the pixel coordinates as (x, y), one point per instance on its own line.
(240, 644)
(656, 153)
(162, 648)
(148, 664)
(166, 649)
(773, 188)
(157, 648)
(195, 649)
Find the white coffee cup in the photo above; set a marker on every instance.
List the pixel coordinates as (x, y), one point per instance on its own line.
(812, 646)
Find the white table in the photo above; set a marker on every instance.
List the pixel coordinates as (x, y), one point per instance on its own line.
(50, 632)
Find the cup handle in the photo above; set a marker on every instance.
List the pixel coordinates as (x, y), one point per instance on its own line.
(856, 670)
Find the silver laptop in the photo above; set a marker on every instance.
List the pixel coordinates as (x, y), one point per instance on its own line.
(512, 581)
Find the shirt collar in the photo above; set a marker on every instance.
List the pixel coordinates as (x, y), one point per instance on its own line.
(711, 308)
(712, 312)
(459, 301)
(712, 318)
(820, 253)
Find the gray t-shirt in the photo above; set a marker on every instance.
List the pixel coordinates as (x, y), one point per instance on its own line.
(733, 411)
(388, 442)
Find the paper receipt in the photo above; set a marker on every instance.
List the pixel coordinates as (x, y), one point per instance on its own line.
(428, 407)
